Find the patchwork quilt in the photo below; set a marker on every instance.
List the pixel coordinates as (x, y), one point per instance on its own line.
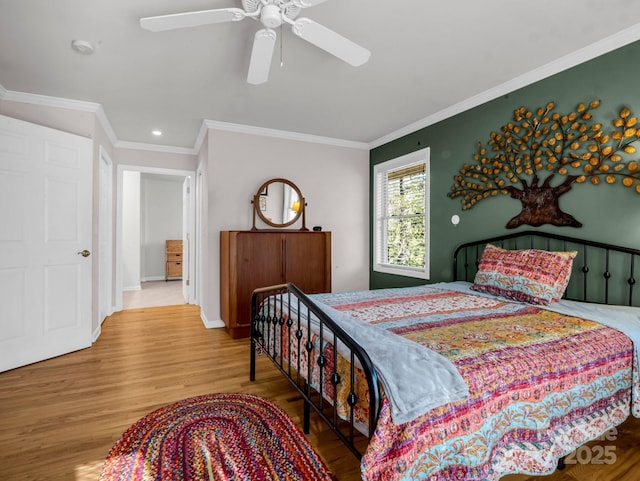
(540, 384)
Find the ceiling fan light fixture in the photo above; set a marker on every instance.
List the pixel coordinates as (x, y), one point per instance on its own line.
(271, 16)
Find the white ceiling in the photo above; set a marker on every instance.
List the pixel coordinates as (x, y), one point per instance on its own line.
(429, 59)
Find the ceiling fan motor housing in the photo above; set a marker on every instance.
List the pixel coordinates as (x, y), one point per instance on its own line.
(271, 16)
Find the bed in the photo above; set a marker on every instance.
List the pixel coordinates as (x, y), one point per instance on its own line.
(472, 379)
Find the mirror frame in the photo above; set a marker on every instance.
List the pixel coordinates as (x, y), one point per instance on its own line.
(256, 206)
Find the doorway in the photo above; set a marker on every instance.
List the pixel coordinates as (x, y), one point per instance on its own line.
(142, 231)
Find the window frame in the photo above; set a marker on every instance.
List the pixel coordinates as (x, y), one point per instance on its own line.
(380, 221)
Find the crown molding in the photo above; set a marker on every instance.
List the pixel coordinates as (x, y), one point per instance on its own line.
(97, 109)
(106, 125)
(283, 134)
(606, 45)
(62, 103)
(121, 144)
(48, 101)
(83, 106)
(202, 133)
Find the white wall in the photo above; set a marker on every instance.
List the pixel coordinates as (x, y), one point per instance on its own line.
(334, 181)
(131, 231)
(161, 218)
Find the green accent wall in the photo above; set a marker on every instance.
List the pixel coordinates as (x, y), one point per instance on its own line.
(609, 213)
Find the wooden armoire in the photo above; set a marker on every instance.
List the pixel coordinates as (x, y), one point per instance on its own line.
(258, 258)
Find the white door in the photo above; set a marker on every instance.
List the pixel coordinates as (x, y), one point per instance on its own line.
(45, 225)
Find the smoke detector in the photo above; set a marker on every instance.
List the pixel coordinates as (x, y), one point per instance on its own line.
(82, 46)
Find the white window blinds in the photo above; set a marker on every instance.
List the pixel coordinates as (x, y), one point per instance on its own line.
(401, 207)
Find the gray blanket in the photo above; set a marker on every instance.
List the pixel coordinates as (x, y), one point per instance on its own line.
(415, 379)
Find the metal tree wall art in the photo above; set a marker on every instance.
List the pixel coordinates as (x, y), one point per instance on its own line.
(544, 142)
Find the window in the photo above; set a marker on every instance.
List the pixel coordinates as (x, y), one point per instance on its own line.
(401, 199)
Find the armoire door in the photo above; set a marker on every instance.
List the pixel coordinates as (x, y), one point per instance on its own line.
(260, 263)
(308, 260)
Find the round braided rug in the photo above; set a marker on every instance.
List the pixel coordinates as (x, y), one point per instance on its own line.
(218, 437)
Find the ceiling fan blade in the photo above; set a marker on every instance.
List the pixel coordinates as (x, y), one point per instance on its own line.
(192, 19)
(332, 42)
(261, 54)
(307, 3)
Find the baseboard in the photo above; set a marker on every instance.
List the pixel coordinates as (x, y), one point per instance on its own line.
(132, 288)
(153, 278)
(210, 324)
(96, 334)
(98, 330)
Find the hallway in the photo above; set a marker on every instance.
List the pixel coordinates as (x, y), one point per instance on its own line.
(154, 294)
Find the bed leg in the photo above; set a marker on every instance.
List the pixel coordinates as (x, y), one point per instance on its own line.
(306, 417)
(561, 464)
(252, 360)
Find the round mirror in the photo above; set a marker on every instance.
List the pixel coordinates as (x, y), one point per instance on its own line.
(278, 203)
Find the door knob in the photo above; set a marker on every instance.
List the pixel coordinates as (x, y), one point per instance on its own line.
(84, 253)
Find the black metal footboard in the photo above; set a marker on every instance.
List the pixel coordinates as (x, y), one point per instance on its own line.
(319, 359)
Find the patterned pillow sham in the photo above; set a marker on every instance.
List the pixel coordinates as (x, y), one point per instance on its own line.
(528, 275)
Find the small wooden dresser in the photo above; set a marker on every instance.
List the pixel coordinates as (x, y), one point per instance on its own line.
(173, 256)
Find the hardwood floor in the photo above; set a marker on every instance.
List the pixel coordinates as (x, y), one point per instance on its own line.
(60, 417)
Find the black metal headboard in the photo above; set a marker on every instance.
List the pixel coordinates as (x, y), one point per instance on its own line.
(602, 273)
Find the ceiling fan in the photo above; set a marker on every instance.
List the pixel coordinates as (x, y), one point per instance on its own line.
(272, 14)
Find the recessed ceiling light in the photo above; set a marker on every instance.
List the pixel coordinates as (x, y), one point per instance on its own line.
(157, 132)
(82, 46)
